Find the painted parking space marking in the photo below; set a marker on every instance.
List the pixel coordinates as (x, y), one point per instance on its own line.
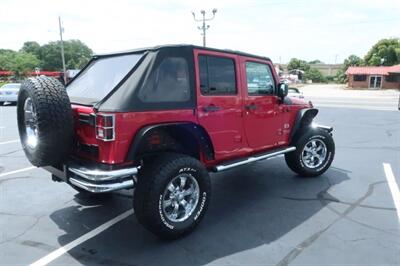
(17, 171)
(10, 141)
(393, 186)
(62, 250)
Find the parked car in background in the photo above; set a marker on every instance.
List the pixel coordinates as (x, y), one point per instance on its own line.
(9, 93)
(295, 92)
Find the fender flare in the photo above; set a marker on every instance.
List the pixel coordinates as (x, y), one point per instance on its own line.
(304, 118)
(197, 131)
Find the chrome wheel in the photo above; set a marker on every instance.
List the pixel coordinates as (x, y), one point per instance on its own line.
(31, 127)
(180, 198)
(314, 153)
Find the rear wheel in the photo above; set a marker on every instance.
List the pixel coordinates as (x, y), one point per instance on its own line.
(45, 121)
(314, 153)
(172, 195)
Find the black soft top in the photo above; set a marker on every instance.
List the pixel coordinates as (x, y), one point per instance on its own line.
(187, 46)
(123, 97)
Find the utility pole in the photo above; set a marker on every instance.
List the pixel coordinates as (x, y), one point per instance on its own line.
(204, 27)
(62, 50)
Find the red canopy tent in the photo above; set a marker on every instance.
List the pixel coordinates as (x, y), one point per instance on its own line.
(6, 73)
(55, 74)
(46, 73)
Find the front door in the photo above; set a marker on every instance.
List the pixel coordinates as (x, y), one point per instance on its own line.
(375, 82)
(262, 118)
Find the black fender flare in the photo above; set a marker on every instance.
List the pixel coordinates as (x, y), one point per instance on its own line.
(303, 119)
(197, 131)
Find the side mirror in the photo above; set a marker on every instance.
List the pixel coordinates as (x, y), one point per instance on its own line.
(283, 90)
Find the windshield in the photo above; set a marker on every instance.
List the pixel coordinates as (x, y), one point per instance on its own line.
(100, 77)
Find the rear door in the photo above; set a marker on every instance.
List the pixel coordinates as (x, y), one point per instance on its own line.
(262, 119)
(219, 101)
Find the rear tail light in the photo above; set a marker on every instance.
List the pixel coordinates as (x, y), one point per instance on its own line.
(105, 127)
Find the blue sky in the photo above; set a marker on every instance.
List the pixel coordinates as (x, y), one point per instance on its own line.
(325, 30)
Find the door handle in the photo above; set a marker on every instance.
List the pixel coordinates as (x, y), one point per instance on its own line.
(211, 108)
(251, 107)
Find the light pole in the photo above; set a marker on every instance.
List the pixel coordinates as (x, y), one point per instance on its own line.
(62, 50)
(204, 27)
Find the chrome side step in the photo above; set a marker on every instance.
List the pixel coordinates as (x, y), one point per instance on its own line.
(271, 154)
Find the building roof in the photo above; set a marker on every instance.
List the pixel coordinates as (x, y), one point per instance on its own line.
(373, 70)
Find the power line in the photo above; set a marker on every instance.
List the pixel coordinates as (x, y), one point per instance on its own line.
(62, 50)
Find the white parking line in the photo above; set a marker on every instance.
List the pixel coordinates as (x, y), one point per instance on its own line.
(62, 250)
(17, 171)
(10, 141)
(393, 186)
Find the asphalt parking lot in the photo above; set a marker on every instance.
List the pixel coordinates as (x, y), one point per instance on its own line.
(260, 214)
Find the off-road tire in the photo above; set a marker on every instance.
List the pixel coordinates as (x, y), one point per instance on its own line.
(54, 120)
(295, 159)
(152, 181)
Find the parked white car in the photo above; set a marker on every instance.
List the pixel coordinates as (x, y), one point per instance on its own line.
(9, 93)
(295, 92)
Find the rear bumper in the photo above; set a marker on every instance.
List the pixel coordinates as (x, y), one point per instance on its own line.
(8, 98)
(94, 179)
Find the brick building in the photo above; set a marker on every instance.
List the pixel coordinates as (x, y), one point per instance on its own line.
(380, 77)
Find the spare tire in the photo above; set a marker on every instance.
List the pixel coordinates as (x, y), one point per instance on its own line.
(45, 121)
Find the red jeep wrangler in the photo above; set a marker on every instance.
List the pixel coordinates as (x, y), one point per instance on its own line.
(159, 120)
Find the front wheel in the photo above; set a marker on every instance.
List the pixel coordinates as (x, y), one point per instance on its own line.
(314, 153)
(172, 195)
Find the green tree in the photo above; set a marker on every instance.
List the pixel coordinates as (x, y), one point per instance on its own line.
(386, 49)
(18, 62)
(316, 61)
(341, 76)
(315, 75)
(352, 60)
(77, 54)
(32, 48)
(295, 63)
(23, 63)
(6, 59)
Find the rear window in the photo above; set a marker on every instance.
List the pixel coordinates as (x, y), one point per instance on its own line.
(168, 83)
(100, 77)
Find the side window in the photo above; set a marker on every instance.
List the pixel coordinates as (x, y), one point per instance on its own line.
(168, 83)
(259, 79)
(217, 75)
(360, 77)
